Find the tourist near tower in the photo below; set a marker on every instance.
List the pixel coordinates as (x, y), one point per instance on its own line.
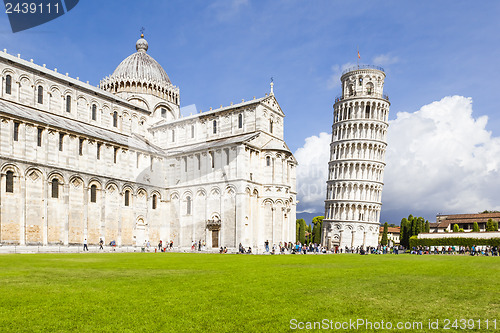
(356, 167)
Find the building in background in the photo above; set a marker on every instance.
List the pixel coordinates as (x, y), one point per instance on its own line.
(444, 223)
(393, 235)
(119, 162)
(356, 166)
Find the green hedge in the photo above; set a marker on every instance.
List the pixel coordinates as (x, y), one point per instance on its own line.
(453, 241)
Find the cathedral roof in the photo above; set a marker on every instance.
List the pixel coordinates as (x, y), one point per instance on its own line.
(212, 144)
(132, 141)
(141, 67)
(275, 144)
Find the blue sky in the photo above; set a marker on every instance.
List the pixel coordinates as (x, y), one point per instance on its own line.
(220, 52)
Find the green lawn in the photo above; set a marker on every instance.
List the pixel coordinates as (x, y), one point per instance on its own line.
(148, 292)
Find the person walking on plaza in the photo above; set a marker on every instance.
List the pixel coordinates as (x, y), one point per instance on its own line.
(160, 245)
(267, 245)
(101, 242)
(85, 247)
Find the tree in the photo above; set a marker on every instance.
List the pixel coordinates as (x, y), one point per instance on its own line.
(413, 226)
(491, 226)
(302, 231)
(317, 229)
(419, 226)
(427, 226)
(405, 233)
(455, 228)
(383, 241)
(308, 234)
(475, 227)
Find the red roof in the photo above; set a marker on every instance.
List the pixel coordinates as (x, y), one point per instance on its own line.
(445, 220)
(390, 230)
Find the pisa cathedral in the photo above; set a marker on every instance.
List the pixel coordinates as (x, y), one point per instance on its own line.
(119, 162)
(356, 167)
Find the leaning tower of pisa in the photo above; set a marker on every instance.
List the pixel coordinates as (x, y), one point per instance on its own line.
(356, 167)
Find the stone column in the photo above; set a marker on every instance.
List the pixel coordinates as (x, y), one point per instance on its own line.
(119, 233)
(22, 220)
(273, 209)
(66, 214)
(45, 217)
(222, 217)
(103, 214)
(1, 185)
(341, 232)
(85, 211)
(240, 208)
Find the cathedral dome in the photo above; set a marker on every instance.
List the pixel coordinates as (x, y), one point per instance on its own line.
(140, 79)
(141, 67)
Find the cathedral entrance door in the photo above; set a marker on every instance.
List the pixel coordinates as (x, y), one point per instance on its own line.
(140, 232)
(215, 238)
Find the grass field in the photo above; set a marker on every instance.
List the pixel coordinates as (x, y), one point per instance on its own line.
(148, 292)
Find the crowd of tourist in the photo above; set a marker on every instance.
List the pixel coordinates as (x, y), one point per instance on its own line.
(314, 248)
(473, 250)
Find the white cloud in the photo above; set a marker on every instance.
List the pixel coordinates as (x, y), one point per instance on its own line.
(334, 79)
(312, 172)
(440, 159)
(385, 60)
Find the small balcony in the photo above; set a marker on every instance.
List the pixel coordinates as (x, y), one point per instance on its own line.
(354, 68)
(355, 95)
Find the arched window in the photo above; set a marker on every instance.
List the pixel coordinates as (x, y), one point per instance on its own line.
(154, 201)
(93, 193)
(369, 88)
(9, 184)
(270, 126)
(8, 84)
(163, 113)
(115, 119)
(127, 198)
(55, 188)
(367, 113)
(192, 131)
(240, 121)
(188, 205)
(173, 135)
(68, 103)
(94, 112)
(268, 161)
(40, 95)
(215, 126)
